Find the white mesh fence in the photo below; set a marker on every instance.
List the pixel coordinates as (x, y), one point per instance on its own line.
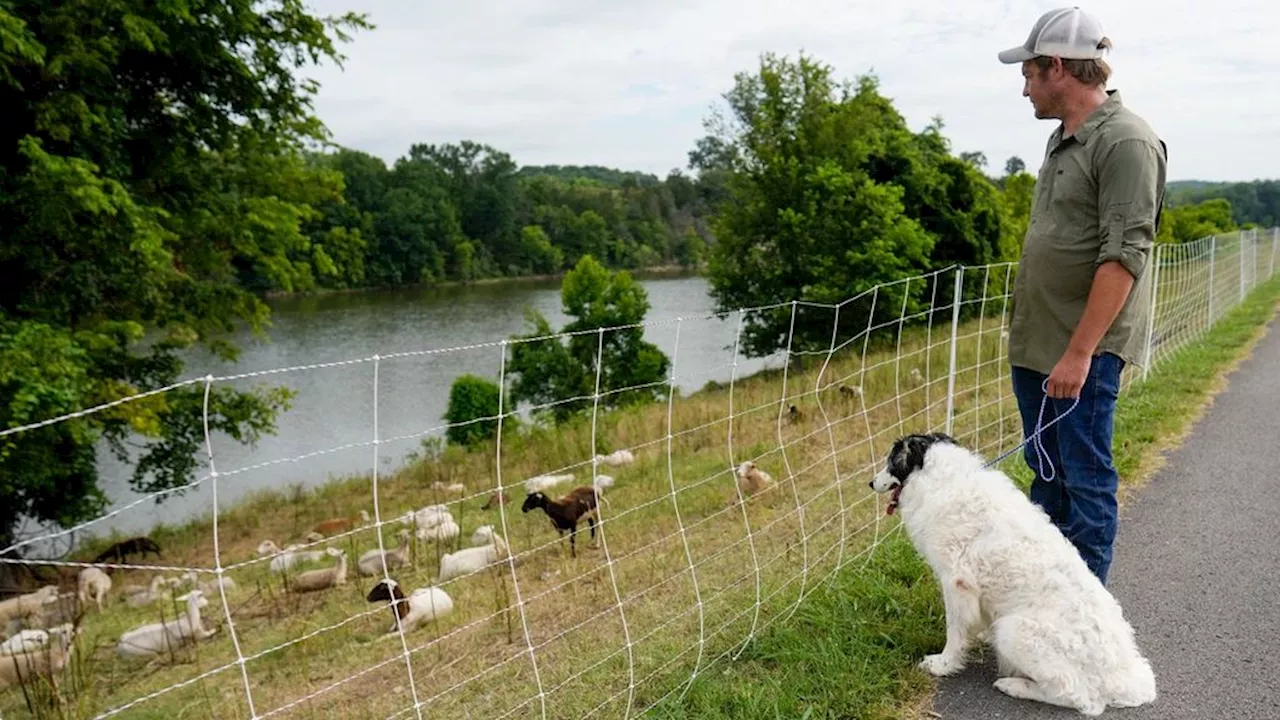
(684, 568)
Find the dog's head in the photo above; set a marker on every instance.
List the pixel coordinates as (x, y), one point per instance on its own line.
(904, 459)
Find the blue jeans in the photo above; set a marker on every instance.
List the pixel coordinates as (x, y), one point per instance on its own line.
(1080, 496)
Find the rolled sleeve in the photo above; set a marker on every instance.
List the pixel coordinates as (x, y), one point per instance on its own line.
(1130, 184)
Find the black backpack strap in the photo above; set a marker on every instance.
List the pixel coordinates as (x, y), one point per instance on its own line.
(1160, 210)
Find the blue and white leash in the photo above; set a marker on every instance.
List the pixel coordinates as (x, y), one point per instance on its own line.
(1041, 454)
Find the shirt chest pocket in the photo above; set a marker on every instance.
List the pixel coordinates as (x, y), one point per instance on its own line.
(1073, 199)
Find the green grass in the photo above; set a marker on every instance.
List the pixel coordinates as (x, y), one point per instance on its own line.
(852, 648)
(826, 626)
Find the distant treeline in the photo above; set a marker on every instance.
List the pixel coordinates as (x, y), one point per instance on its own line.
(461, 212)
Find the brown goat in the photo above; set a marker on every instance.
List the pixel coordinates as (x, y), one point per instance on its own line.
(565, 513)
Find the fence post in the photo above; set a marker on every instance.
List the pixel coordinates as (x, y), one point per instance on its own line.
(1242, 236)
(1254, 241)
(955, 333)
(1155, 301)
(1213, 254)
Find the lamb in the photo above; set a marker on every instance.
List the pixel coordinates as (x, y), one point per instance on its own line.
(751, 479)
(565, 513)
(336, 525)
(472, 559)
(24, 605)
(426, 603)
(93, 583)
(153, 639)
(370, 563)
(123, 549)
(313, 580)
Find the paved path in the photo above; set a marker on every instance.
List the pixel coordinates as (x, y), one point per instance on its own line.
(1197, 569)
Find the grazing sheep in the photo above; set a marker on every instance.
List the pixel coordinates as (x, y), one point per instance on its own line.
(424, 604)
(542, 483)
(24, 605)
(617, 458)
(48, 661)
(751, 479)
(472, 559)
(123, 549)
(370, 563)
(156, 638)
(313, 580)
(93, 583)
(565, 513)
(332, 526)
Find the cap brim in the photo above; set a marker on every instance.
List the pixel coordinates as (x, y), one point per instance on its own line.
(1015, 55)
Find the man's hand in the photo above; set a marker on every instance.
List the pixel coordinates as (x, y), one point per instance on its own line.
(1068, 376)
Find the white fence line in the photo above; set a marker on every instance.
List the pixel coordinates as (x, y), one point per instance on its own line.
(689, 563)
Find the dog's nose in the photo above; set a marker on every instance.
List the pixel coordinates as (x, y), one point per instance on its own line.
(872, 484)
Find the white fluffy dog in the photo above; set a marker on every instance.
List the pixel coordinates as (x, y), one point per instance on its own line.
(1009, 576)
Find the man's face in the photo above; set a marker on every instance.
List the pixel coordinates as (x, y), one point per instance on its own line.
(1041, 87)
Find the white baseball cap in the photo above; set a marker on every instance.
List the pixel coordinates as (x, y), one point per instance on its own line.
(1069, 33)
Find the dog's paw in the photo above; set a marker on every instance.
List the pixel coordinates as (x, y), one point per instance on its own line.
(1015, 687)
(940, 665)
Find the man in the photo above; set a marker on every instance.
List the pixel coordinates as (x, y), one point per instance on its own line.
(1082, 299)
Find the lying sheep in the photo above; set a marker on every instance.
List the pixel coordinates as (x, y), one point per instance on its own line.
(752, 480)
(47, 661)
(617, 458)
(156, 638)
(34, 639)
(371, 562)
(426, 603)
(542, 483)
(313, 580)
(472, 559)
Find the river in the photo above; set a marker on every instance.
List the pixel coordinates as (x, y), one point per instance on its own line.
(334, 406)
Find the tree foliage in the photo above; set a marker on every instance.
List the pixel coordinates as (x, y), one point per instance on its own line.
(466, 211)
(474, 403)
(151, 177)
(1184, 223)
(563, 374)
(829, 193)
(1256, 202)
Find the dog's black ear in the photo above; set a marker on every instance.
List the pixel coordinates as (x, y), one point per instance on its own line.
(907, 456)
(941, 437)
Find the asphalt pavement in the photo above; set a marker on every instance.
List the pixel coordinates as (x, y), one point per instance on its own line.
(1196, 569)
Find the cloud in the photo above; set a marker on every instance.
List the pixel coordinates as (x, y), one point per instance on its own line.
(628, 84)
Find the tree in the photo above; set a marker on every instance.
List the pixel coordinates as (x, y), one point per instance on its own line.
(977, 159)
(550, 370)
(473, 409)
(152, 173)
(829, 195)
(1014, 165)
(1185, 223)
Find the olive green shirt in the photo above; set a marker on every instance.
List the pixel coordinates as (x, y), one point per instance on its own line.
(1097, 199)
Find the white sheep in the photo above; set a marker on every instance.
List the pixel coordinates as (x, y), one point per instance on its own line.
(446, 529)
(32, 640)
(24, 605)
(543, 482)
(289, 557)
(153, 639)
(472, 559)
(424, 604)
(617, 458)
(313, 580)
(93, 583)
(370, 563)
(45, 661)
(146, 596)
(451, 489)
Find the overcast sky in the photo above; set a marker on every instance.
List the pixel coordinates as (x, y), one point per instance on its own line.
(627, 83)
